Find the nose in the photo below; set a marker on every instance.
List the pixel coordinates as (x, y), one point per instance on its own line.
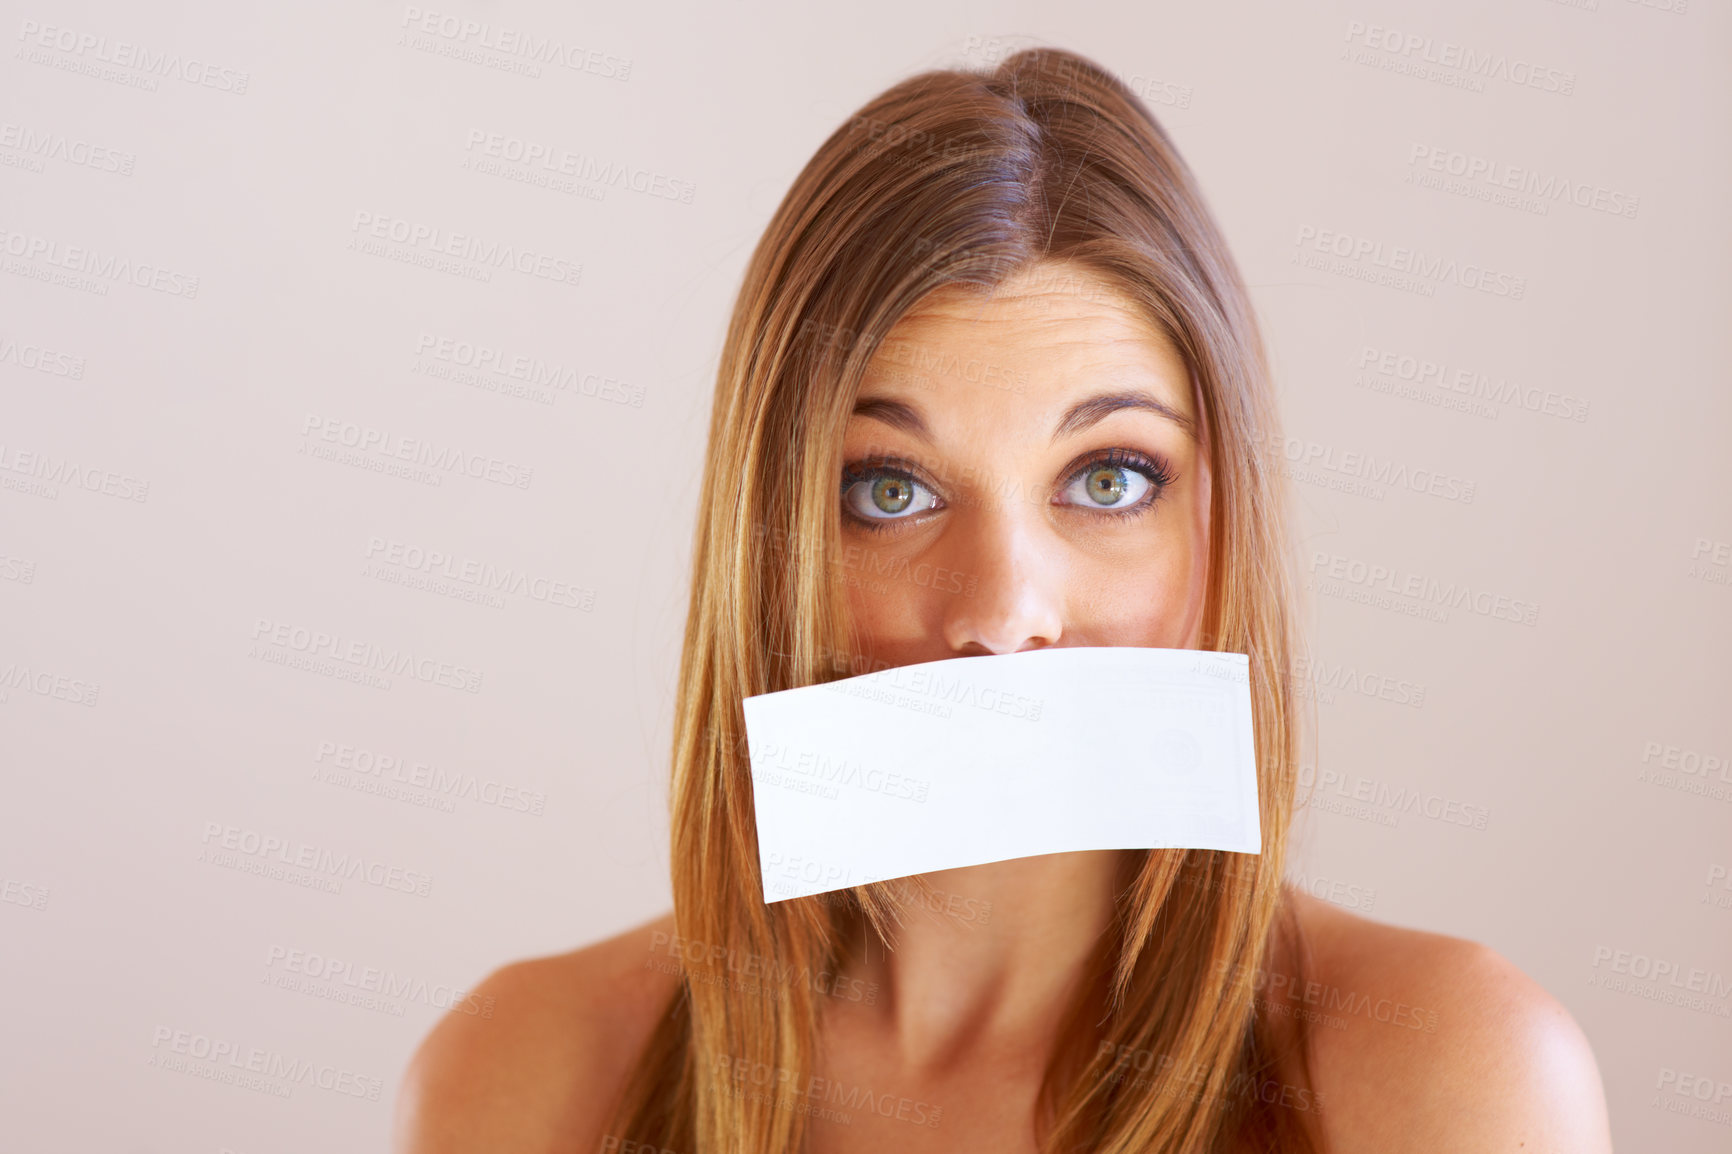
(1017, 600)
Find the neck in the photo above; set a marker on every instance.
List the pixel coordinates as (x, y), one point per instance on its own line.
(990, 963)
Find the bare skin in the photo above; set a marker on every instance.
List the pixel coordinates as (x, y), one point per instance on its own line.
(992, 481)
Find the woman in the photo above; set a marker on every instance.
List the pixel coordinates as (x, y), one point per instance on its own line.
(993, 384)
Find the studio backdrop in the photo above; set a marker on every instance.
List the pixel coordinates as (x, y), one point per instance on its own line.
(356, 363)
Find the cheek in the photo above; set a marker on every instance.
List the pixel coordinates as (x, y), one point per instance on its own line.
(1153, 599)
(898, 602)
(882, 592)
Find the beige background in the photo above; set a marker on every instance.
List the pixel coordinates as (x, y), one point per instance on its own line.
(144, 721)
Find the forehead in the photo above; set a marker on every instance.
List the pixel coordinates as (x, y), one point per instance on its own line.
(1051, 332)
(1055, 345)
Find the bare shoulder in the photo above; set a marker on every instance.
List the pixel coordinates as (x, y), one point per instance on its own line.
(1427, 1042)
(535, 1060)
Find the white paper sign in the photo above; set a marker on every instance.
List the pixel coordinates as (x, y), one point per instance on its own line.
(979, 759)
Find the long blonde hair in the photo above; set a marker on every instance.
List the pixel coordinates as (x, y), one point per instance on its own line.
(956, 177)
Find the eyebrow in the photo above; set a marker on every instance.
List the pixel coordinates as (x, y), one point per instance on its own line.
(1080, 416)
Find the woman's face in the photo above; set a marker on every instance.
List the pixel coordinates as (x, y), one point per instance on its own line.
(1024, 470)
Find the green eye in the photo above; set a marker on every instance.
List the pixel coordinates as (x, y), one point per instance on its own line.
(892, 494)
(883, 495)
(1113, 485)
(1106, 486)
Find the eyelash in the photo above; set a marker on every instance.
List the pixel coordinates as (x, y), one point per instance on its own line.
(1154, 468)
